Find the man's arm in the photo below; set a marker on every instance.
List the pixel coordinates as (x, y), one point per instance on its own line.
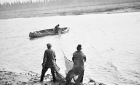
(54, 56)
(85, 58)
(73, 57)
(44, 58)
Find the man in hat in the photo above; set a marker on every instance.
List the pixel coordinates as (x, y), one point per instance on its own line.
(48, 62)
(78, 66)
(78, 59)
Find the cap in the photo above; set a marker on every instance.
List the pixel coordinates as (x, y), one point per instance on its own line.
(79, 47)
(49, 45)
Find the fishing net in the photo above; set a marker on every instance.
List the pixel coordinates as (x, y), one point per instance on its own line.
(59, 77)
(68, 64)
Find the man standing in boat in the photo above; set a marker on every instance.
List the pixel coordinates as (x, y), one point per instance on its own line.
(48, 62)
(78, 67)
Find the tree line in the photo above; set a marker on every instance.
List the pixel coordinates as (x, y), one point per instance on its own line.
(30, 2)
(46, 3)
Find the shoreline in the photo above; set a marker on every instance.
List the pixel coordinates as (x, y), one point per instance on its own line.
(12, 78)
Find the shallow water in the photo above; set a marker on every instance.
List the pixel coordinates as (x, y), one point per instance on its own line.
(110, 42)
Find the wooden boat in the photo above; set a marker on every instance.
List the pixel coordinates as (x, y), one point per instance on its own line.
(47, 32)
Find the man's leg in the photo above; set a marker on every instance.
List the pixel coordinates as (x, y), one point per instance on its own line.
(53, 74)
(69, 76)
(43, 73)
(82, 75)
(80, 78)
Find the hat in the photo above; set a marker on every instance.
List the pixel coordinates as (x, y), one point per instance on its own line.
(49, 45)
(79, 47)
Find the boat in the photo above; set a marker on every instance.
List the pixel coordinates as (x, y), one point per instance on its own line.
(47, 32)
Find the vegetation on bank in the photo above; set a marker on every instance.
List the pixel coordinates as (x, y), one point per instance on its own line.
(47, 3)
(64, 7)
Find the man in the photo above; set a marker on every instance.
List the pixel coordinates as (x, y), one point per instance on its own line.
(78, 59)
(48, 62)
(56, 29)
(78, 66)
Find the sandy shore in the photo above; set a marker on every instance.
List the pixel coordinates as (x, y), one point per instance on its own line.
(12, 78)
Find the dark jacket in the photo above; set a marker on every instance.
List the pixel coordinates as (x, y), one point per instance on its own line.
(78, 59)
(49, 58)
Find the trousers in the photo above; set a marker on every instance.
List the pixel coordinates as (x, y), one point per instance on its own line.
(70, 76)
(44, 70)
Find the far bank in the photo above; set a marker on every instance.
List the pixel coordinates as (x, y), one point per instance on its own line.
(64, 10)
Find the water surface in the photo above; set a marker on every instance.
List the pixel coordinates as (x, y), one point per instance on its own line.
(110, 42)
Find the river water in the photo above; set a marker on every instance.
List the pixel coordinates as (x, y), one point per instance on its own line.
(110, 42)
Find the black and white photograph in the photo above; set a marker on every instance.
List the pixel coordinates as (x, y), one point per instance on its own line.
(69, 42)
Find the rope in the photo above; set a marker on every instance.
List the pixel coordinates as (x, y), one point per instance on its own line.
(60, 42)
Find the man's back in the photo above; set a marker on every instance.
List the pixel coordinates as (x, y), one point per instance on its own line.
(78, 60)
(48, 62)
(50, 56)
(78, 67)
